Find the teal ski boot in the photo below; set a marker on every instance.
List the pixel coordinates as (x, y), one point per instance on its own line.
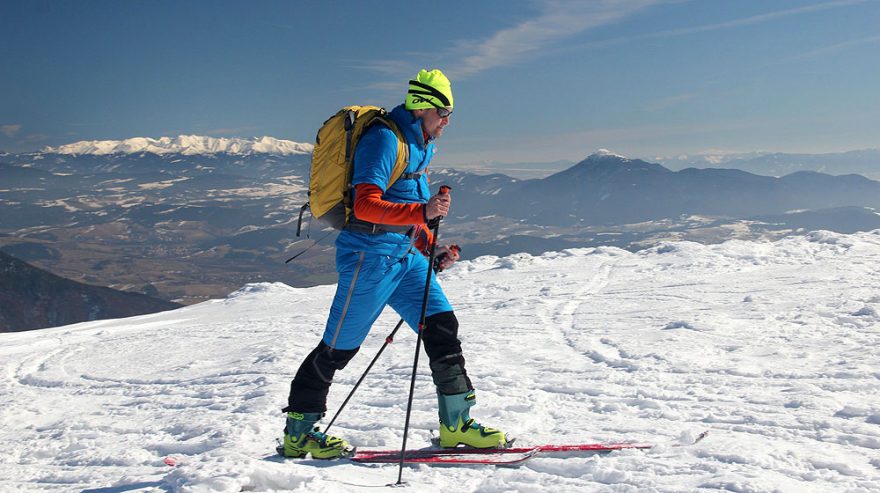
(458, 428)
(302, 437)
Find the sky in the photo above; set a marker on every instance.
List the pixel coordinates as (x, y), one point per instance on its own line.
(533, 81)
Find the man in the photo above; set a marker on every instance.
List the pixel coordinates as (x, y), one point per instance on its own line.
(380, 258)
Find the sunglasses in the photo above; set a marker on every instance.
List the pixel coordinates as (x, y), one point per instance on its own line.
(442, 111)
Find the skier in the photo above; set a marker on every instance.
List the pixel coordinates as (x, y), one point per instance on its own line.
(381, 260)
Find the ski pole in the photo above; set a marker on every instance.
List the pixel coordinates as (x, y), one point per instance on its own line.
(412, 384)
(388, 340)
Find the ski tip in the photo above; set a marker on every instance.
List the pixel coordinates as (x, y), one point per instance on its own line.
(533, 452)
(519, 461)
(686, 441)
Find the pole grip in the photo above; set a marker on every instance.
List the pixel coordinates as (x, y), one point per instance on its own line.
(432, 224)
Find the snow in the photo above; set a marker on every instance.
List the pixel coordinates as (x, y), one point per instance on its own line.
(772, 347)
(183, 144)
(607, 153)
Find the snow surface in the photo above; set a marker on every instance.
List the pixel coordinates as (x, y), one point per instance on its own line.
(773, 347)
(184, 144)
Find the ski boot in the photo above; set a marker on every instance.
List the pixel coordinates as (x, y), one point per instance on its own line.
(458, 428)
(302, 437)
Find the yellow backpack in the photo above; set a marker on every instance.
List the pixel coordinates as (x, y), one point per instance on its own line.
(332, 162)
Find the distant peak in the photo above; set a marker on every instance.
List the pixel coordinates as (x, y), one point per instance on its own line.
(184, 144)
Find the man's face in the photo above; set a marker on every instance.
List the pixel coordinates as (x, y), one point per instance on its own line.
(432, 122)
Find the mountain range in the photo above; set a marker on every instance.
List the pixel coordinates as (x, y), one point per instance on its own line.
(608, 189)
(863, 162)
(187, 226)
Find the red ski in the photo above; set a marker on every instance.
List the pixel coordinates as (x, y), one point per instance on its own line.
(394, 455)
(516, 455)
(492, 457)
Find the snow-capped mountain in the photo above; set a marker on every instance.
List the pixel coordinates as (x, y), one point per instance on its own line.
(183, 144)
(771, 346)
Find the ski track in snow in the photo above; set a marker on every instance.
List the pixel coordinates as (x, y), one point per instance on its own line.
(773, 347)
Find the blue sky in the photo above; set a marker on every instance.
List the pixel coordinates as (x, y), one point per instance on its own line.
(534, 81)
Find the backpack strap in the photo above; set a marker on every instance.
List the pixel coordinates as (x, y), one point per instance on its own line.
(397, 173)
(402, 160)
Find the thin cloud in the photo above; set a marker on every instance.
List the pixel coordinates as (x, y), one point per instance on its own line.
(747, 21)
(10, 130)
(833, 49)
(557, 21)
(386, 67)
(666, 103)
(398, 86)
(34, 138)
(761, 18)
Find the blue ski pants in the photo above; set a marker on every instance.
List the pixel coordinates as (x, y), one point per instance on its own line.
(367, 283)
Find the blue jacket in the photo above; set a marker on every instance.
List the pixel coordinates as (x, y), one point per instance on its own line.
(374, 160)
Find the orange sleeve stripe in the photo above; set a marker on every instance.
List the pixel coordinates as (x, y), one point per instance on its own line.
(369, 206)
